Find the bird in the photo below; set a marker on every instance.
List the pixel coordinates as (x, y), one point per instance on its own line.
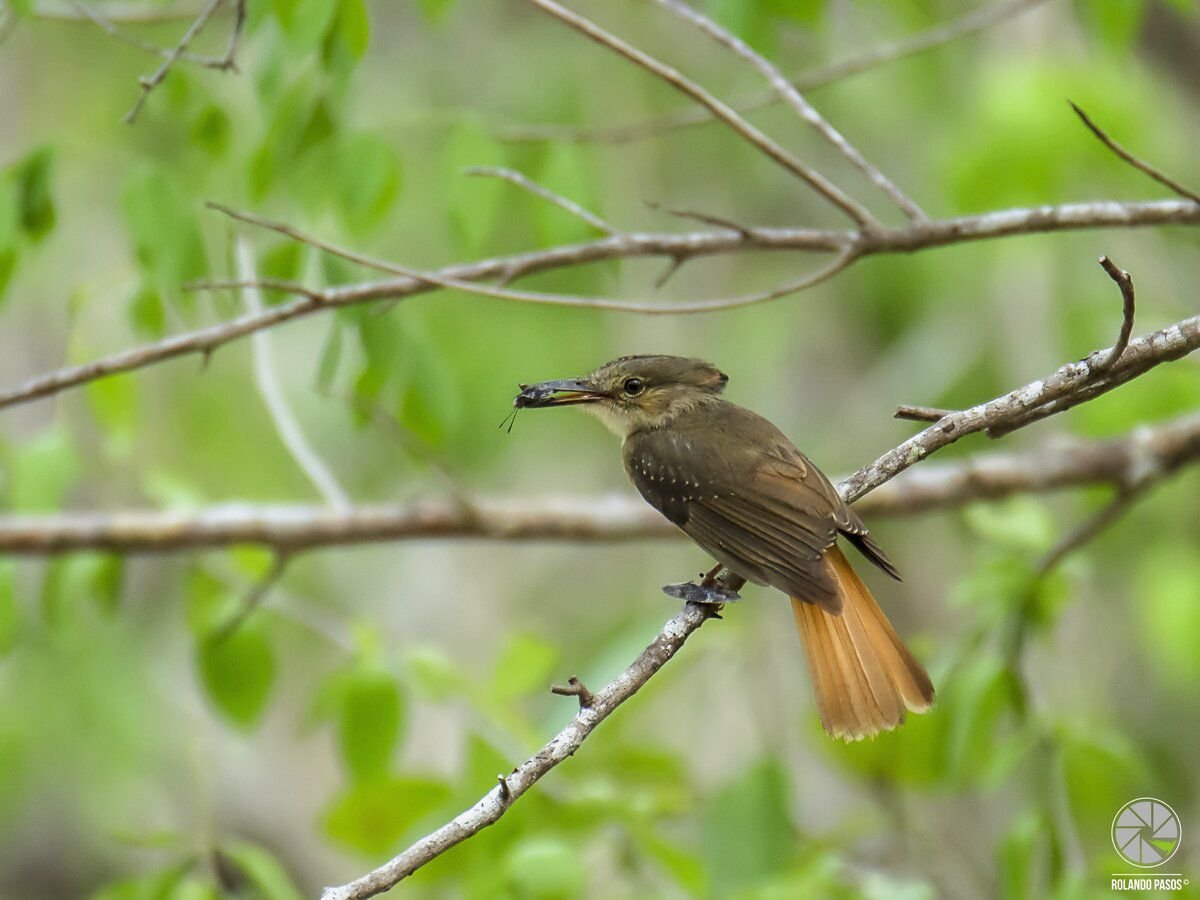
(738, 487)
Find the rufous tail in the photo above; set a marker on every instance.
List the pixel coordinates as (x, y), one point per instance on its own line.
(863, 676)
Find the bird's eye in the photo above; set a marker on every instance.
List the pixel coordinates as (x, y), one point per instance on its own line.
(633, 386)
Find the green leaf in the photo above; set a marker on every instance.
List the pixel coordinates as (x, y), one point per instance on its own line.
(370, 722)
(432, 673)
(331, 355)
(300, 121)
(1169, 612)
(748, 833)
(1103, 770)
(373, 817)
(113, 402)
(1021, 856)
(8, 265)
(305, 22)
(435, 11)
(35, 203)
(210, 603)
(10, 214)
(147, 313)
(238, 671)
(10, 613)
(212, 130)
(156, 886)
(545, 866)
(41, 472)
(982, 692)
(368, 178)
(1020, 523)
(163, 228)
(686, 867)
(1117, 25)
(473, 204)
(346, 41)
(262, 872)
(525, 665)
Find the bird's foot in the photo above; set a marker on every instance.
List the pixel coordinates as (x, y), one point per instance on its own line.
(709, 594)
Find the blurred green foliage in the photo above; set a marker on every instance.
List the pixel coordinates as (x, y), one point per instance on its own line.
(148, 750)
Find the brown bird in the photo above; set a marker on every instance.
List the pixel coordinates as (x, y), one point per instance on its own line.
(733, 483)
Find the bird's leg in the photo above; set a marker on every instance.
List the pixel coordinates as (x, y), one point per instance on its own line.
(712, 589)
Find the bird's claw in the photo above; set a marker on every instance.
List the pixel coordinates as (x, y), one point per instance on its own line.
(711, 595)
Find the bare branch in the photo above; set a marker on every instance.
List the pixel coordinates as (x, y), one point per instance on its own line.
(288, 428)
(1124, 281)
(499, 799)
(525, 183)
(969, 23)
(752, 135)
(1141, 165)
(149, 84)
(805, 110)
(690, 245)
(1059, 464)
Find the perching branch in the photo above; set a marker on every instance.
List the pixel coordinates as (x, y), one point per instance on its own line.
(688, 245)
(1171, 343)
(1059, 464)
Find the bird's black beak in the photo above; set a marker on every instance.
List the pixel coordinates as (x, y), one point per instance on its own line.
(558, 393)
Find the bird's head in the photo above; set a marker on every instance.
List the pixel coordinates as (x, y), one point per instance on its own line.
(633, 393)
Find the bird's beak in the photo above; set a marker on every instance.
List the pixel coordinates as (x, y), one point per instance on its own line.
(558, 393)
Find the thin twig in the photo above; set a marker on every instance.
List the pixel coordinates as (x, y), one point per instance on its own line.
(1124, 281)
(525, 183)
(229, 62)
(690, 245)
(1088, 530)
(921, 413)
(288, 428)
(575, 688)
(110, 28)
(969, 23)
(705, 218)
(752, 135)
(805, 110)
(253, 598)
(303, 237)
(1141, 165)
(149, 84)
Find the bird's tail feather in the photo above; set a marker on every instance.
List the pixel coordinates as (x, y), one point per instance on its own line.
(863, 676)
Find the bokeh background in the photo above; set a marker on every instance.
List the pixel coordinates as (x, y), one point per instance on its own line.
(380, 689)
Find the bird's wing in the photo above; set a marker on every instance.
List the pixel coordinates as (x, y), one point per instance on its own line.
(764, 510)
